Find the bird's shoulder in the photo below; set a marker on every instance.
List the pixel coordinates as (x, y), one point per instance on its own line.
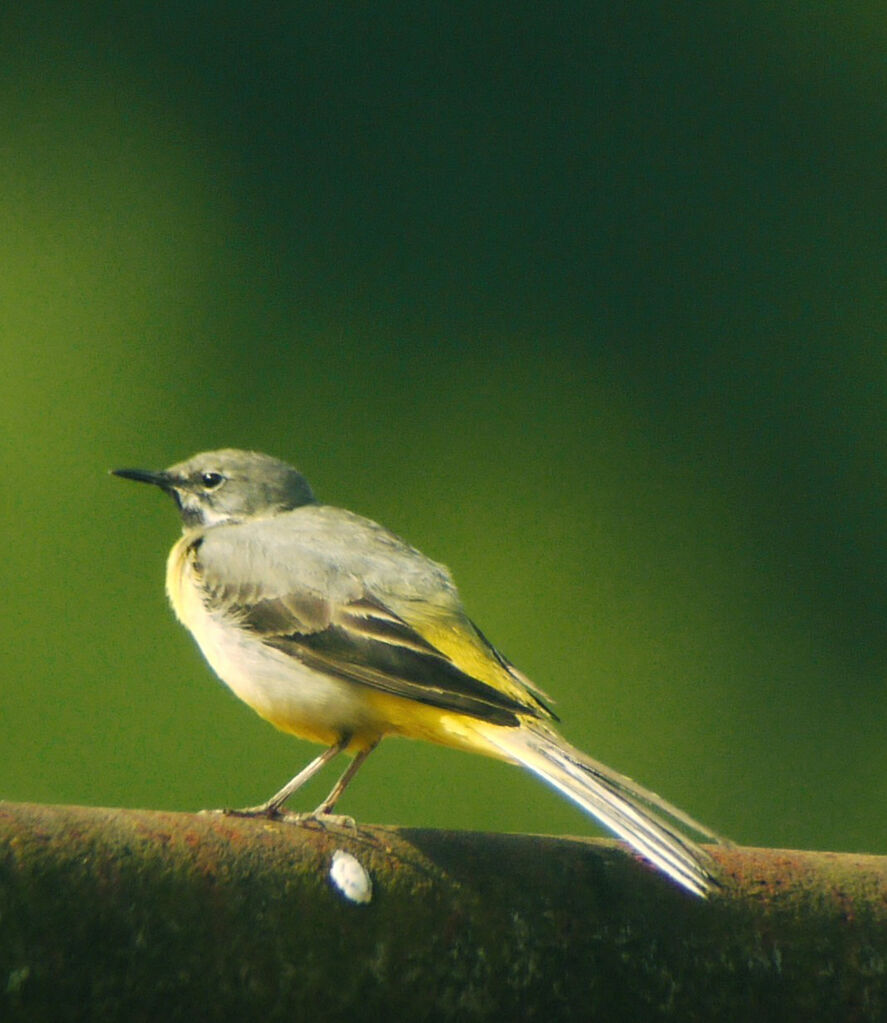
(319, 547)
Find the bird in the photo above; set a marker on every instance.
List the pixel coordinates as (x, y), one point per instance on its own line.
(335, 630)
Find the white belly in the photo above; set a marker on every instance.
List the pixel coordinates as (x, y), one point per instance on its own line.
(278, 687)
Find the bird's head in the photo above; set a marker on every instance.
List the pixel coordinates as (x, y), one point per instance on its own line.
(217, 487)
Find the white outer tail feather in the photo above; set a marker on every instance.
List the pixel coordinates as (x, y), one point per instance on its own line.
(619, 803)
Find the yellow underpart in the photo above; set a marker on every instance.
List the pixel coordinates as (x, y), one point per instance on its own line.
(393, 715)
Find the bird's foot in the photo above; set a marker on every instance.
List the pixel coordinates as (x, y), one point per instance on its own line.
(273, 813)
(320, 818)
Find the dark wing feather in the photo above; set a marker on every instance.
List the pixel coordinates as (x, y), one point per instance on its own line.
(368, 644)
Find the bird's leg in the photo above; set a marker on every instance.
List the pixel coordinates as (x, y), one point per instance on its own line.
(323, 815)
(326, 807)
(273, 806)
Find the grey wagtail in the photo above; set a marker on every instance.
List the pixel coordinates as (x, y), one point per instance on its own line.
(336, 631)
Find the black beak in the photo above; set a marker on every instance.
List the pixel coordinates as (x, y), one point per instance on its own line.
(159, 479)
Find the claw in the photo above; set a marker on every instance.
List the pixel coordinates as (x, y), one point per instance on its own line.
(271, 812)
(325, 820)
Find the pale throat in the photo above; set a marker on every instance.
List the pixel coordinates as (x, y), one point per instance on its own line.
(197, 513)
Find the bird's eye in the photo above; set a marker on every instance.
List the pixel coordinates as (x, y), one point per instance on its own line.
(210, 480)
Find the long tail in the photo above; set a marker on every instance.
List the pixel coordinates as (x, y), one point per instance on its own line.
(640, 817)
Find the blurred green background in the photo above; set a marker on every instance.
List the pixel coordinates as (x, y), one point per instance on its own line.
(587, 303)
